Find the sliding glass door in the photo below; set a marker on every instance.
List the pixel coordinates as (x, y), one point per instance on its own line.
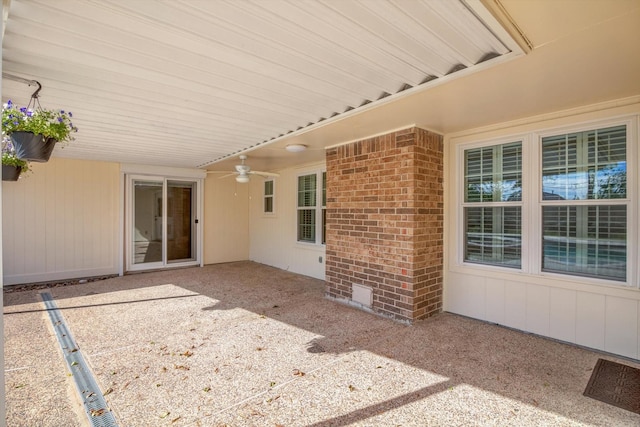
(163, 222)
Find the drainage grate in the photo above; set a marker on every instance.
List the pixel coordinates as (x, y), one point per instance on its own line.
(94, 404)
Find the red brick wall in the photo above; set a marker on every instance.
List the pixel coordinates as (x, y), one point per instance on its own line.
(385, 222)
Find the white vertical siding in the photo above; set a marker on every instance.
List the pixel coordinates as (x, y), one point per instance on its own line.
(562, 314)
(590, 319)
(273, 237)
(226, 220)
(61, 221)
(604, 322)
(621, 331)
(583, 311)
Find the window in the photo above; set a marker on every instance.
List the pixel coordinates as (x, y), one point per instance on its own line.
(268, 196)
(309, 229)
(584, 208)
(492, 205)
(577, 220)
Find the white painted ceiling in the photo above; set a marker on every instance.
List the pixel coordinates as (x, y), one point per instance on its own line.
(192, 83)
(186, 83)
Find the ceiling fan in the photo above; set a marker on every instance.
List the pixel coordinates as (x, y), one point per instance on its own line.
(243, 171)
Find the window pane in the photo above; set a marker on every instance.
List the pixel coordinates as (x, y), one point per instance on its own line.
(493, 174)
(324, 226)
(585, 240)
(585, 165)
(268, 188)
(307, 190)
(268, 204)
(307, 225)
(493, 235)
(324, 189)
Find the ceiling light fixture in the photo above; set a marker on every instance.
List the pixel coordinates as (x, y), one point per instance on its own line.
(242, 179)
(295, 148)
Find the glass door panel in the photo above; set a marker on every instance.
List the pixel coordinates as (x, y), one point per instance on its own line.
(147, 232)
(180, 221)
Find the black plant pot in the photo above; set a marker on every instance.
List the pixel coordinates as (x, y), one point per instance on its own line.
(11, 173)
(32, 147)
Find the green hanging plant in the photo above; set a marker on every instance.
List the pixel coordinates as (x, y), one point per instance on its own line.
(54, 124)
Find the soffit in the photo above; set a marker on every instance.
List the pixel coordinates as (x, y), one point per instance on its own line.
(186, 83)
(595, 60)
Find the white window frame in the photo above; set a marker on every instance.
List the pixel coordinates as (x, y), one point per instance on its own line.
(532, 201)
(272, 196)
(320, 209)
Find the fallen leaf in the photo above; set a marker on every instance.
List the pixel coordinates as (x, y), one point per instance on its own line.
(97, 412)
(272, 383)
(259, 348)
(206, 389)
(108, 391)
(20, 386)
(184, 368)
(187, 353)
(175, 419)
(165, 414)
(298, 373)
(74, 363)
(351, 388)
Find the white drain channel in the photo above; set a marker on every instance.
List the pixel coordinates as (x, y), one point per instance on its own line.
(94, 403)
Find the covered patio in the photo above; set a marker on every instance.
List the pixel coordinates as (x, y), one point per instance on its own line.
(244, 344)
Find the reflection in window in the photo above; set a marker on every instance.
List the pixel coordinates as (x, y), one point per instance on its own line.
(493, 212)
(585, 165)
(578, 238)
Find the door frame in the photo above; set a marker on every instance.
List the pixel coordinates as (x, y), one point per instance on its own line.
(129, 173)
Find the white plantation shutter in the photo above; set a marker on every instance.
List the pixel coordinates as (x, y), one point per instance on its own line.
(492, 205)
(578, 238)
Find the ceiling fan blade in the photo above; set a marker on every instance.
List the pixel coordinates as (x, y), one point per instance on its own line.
(264, 173)
(227, 175)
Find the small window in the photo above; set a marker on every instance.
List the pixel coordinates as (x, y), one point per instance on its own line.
(309, 230)
(268, 196)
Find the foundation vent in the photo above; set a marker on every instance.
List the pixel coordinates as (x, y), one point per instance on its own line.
(362, 295)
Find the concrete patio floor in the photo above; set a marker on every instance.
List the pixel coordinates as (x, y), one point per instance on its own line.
(243, 344)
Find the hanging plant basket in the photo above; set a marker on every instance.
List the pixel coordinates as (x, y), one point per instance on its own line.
(11, 173)
(32, 147)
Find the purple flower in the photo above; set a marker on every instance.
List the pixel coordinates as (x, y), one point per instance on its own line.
(9, 103)
(29, 113)
(59, 119)
(70, 115)
(16, 123)
(23, 110)
(61, 111)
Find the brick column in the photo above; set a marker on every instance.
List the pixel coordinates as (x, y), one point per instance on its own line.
(385, 223)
